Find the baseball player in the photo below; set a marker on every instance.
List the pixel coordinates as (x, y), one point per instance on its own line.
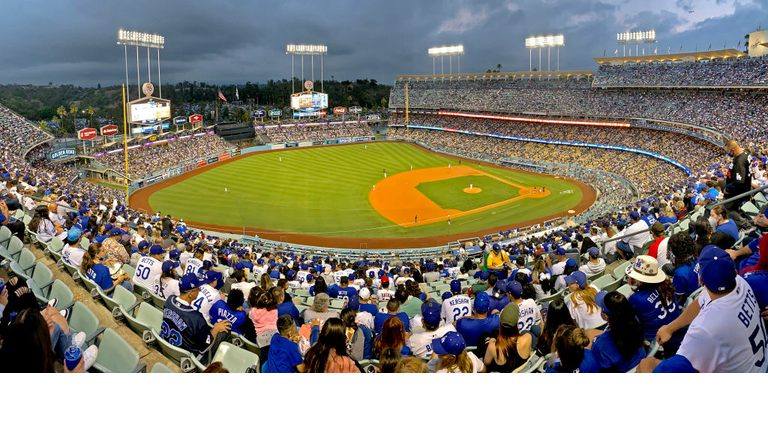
(456, 307)
(149, 267)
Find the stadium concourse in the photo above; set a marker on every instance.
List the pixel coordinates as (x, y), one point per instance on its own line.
(685, 289)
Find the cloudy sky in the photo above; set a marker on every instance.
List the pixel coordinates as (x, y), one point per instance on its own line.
(230, 41)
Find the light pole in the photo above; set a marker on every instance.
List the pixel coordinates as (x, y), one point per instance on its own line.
(449, 51)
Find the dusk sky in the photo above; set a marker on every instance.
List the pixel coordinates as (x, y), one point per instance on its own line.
(231, 42)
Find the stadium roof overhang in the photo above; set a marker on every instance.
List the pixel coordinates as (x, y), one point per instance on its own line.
(502, 75)
(764, 44)
(681, 57)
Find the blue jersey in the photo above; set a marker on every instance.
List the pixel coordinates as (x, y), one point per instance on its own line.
(284, 355)
(248, 265)
(753, 259)
(378, 321)
(651, 312)
(99, 273)
(588, 365)
(289, 309)
(184, 327)
(370, 308)
(608, 357)
(100, 238)
(649, 219)
(685, 280)
(471, 328)
(498, 304)
(514, 272)
(345, 293)
(667, 219)
(220, 311)
(729, 228)
(758, 280)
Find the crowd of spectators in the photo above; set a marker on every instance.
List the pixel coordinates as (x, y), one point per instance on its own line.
(18, 134)
(149, 158)
(717, 73)
(317, 131)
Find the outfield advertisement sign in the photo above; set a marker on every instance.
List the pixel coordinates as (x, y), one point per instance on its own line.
(275, 113)
(213, 160)
(259, 114)
(224, 156)
(62, 154)
(355, 109)
(235, 153)
(277, 146)
(178, 121)
(305, 144)
(201, 163)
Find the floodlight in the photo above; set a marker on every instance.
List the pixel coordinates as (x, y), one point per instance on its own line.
(639, 37)
(306, 49)
(133, 38)
(446, 51)
(545, 42)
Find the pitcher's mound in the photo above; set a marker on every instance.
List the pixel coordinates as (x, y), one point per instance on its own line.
(474, 190)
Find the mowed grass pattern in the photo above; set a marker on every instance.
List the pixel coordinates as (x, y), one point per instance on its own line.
(449, 193)
(324, 191)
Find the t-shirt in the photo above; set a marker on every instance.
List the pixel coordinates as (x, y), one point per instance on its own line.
(472, 328)
(729, 228)
(477, 365)
(344, 293)
(639, 234)
(456, 307)
(685, 280)
(411, 307)
(588, 365)
(728, 334)
(147, 270)
(379, 320)
(421, 343)
(245, 287)
(220, 311)
(72, 255)
(608, 357)
(370, 308)
(384, 294)
(582, 316)
(498, 303)
(651, 312)
(99, 273)
(165, 287)
(193, 265)
(495, 259)
(184, 327)
(529, 315)
(284, 355)
(205, 299)
(288, 309)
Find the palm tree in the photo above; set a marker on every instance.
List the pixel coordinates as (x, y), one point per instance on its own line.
(61, 111)
(89, 110)
(73, 111)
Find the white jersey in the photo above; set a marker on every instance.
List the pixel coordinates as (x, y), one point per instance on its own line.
(529, 315)
(421, 343)
(338, 275)
(245, 287)
(207, 297)
(301, 276)
(728, 334)
(147, 270)
(384, 294)
(294, 284)
(193, 265)
(165, 287)
(456, 307)
(72, 255)
(372, 272)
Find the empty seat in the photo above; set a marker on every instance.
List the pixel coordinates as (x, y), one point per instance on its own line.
(116, 355)
(236, 360)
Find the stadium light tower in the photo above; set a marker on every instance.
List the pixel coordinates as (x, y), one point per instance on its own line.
(450, 51)
(139, 39)
(636, 38)
(312, 51)
(547, 42)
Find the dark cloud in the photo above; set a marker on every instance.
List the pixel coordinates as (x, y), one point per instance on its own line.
(234, 41)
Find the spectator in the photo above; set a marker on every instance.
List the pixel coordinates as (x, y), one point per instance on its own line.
(329, 354)
(571, 355)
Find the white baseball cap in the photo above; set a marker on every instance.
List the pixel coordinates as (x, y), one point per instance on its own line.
(364, 294)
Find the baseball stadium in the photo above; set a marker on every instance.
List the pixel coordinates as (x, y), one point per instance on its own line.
(610, 219)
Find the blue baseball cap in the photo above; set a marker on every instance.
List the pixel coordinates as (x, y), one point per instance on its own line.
(169, 265)
(115, 232)
(165, 234)
(578, 277)
(84, 210)
(207, 264)
(188, 282)
(309, 278)
(274, 274)
(593, 252)
(353, 302)
(430, 311)
(496, 248)
(291, 274)
(483, 275)
(600, 300)
(560, 251)
(108, 227)
(450, 343)
(156, 250)
(456, 286)
(644, 209)
(482, 302)
(74, 233)
(143, 244)
(570, 262)
(514, 288)
(634, 215)
(238, 266)
(500, 289)
(213, 278)
(446, 295)
(716, 269)
(174, 254)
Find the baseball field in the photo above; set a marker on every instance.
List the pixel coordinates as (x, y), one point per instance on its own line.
(373, 195)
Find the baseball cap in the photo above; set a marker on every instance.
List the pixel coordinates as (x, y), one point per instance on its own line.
(646, 269)
(291, 274)
(446, 295)
(657, 228)
(570, 262)
(450, 343)
(385, 278)
(634, 215)
(115, 232)
(509, 315)
(644, 209)
(496, 248)
(593, 252)
(188, 282)
(482, 302)
(213, 278)
(108, 227)
(169, 265)
(73, 234)
(716, 269)
(600, 300)
(174, 254)
(156, 250)
(456, 286)
(165, 233)
(353, 302)
(578, 277)
(560, 251)
(515, 288)
(364, 293)
(309, 278)
(430, 311)
(84, 210)
(143, 244)
(500, 289)
(274, 274)
(207, 264)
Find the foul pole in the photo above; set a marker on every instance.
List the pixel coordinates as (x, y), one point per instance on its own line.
(125, 146)
(406, 110)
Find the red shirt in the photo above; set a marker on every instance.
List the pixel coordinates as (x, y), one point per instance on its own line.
(654, 249)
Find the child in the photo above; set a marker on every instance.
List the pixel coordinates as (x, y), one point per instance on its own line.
(284, 354)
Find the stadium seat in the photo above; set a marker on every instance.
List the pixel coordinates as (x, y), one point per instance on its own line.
(84, 243)
(651, 349)
(684, 224)
(750, 209)
(62, 294)
(72, 270)
(369, 366)
(54, 248)
(129, 270)
(620, 271)
(144, 292)
(602, 281)
(5, 236)
(13, 250)
(125, 302)
(612, 286)
(596, 276)
(180, 357)
(23, 267)
(116, 355)
(553, 297)
(143, 319)
(525, 365)
(236, 360)
(42, 279)
(302, 292)
(241, 342)
(625, 290)
(337, 304)
(81, 319)
(156, 300)
(161, 368)
(691, 298)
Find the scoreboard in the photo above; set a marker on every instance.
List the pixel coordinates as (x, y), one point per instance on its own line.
(309, 101)
(149, 111)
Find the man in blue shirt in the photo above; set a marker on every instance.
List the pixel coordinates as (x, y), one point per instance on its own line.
(393, 310)
(286, 308)
(471, 327)
(344, 291)
(364, 295)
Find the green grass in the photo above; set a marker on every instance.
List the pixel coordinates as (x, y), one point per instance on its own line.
(110, 185)
(324, 191)
(449, 193)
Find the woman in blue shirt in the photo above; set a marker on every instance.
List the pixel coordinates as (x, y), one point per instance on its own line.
(571, 353)
(93, 268)
(722, 224)
(620, 347)
(652, 297)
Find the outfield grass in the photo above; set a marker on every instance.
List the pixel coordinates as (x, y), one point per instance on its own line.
(112, 186)
(449, 193)
(324, 191)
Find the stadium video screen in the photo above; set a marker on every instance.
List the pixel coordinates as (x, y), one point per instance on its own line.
(147, 112)
(309, 101)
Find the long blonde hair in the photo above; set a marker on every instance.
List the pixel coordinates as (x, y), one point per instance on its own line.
(587, 296)
(451, 362)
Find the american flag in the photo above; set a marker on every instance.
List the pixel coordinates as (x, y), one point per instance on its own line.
(221, 96)
(710, 47)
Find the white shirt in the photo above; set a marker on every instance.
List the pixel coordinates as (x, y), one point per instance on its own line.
(147, 270)
(245, 287)
(591, 269)
(72, 255)
(193, 265)
(384, 294)
(366, 319)
(338, 275)
(529, 315)
(728, 334)
(661, 255)
(184, 257)
(639, 238)
(583, 318)
(207, 297)
(421, 343)
(558, 268)
(610, 248)
(166, 287)
(456, 307)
